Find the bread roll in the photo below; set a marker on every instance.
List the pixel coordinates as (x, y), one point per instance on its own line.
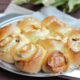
(74, 40)
(58, 29)
(34, 63)
(33, 29)
(29, 24)
(5, 31)
(7, 42)
(74, 44)
(58, 59)
(37, 35)
(55, 63)
(6, 46)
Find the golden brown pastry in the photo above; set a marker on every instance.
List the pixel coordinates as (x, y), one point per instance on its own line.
(6, 46)
(31, 59)
(33, 29)
(58, 59)
(58, 29)
(55, 63)
(74, 40)
(29, 24)
(7, 42)
(37, 35)
(5, 31)
(74, 44)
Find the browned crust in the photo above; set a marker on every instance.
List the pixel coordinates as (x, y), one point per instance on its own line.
(57, 69)
(5, 31)
(32, 66)
(69, 55)
(74, 31)
(53, 22)
(76, 55)
(7, 57)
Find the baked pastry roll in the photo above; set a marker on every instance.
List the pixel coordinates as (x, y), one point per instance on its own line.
(6, 46)
(50, 45)
(58, 59)
(33, 29)
(5, 31)
(55, 63)
(21, 42)
(6, 43)
(8, 40)
(57, 28)
(29, 24)
(74, 44)
(74, 40)
(31, 58)
(37, 35)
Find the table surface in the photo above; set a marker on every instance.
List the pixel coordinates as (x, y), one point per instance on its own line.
(5, 75)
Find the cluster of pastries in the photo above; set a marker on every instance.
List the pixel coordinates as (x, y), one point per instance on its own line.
(32, 46)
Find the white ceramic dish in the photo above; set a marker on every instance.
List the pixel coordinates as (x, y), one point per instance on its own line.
(13, 18)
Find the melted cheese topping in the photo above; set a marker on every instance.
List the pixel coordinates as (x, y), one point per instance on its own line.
(39, 34)
(42, 34)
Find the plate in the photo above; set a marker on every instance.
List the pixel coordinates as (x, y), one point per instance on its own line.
(13, 18)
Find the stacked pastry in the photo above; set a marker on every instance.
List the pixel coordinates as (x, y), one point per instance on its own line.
(50, 45)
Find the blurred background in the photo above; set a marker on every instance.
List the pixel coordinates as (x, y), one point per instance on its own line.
(71, 7)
